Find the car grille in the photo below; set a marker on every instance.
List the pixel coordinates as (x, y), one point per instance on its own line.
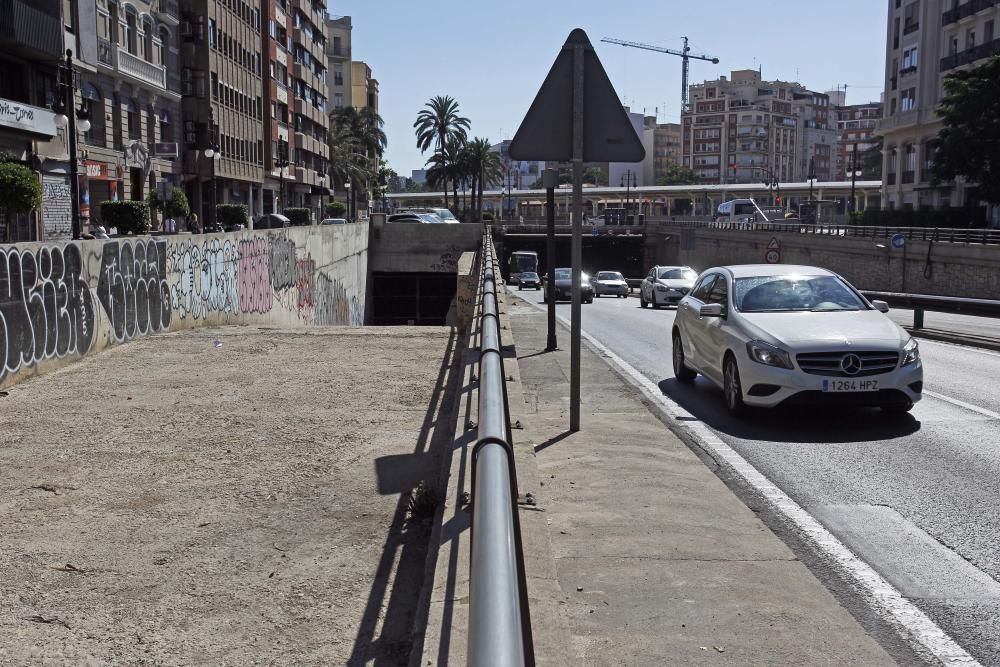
(830, 363)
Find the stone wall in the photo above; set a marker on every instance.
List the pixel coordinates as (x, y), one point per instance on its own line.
(952, 269)
(61, 301)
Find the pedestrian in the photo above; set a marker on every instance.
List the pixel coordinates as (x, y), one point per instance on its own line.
(170, 225)
(192, 224)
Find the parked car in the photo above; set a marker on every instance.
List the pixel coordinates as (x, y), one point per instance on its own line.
(529, 279)
(430, 218)
(666, 285)
(405, 217)
(444, 214)
(272, 221)
(611, 283)
(562, 287)
(776, 334)
(333, 221)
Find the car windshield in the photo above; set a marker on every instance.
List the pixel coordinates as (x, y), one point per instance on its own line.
(429, 217)
(562, 274)
(444, 214)
(677, 274)
(772, 294)
(529, 275)
(609, 275)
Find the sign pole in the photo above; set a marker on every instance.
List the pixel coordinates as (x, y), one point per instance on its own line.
(550, 179)
(577, 248)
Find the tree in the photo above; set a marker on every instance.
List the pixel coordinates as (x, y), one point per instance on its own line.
(870, 161)
(484, 167)
(969, 143)
(20, 193)
(357, 144)
(678, 175)
(438, 124)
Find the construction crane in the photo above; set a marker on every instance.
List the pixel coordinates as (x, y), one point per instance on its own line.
(685, 55)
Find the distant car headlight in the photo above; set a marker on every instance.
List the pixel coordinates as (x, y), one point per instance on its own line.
(911, 352)
(769, 355)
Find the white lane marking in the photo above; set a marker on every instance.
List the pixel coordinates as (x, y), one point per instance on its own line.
(942, 343)
(899, 612)
(962, 404)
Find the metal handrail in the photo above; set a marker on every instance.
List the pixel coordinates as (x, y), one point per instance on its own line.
(919, 303)
(499, 629)
(938, 234)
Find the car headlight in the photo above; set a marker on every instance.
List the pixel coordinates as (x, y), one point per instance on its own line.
(769, 355)
(911, 352)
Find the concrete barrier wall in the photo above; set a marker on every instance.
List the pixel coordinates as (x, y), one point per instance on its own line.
(408, 248)
(62, 301)
(952, 269)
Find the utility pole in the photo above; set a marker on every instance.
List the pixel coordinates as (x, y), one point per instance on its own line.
(854, 176)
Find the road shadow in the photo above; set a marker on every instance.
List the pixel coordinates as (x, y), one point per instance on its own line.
(816, 425)
(551, 441)
(385, 634)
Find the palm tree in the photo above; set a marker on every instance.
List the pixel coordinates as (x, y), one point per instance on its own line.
(347, 161)
(438, 124)
(485, 168)
(362, 130)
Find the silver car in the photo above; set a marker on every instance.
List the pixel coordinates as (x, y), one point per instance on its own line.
(666, 285)
(611, 283)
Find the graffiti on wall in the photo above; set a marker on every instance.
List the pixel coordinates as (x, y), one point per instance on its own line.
(448, 260)
(283, 272)
(207, 280)
(333, 305)
(255, 276)
(132, 288)
(46, 308)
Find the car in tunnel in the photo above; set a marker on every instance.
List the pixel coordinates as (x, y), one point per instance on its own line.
(529, 280)
(562, 286)
(772, 335)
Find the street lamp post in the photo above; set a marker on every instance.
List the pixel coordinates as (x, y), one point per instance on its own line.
(855, 172)
(350, 202)
(282, 164)
(76, 121)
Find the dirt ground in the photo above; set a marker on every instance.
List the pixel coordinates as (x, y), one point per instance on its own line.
(220, 497)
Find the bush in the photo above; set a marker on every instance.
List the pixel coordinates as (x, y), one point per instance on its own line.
(298, 217)
(336, 209)
(231, 214)
(128, 217)
(177, 206)
(20, 192)
(488, 216)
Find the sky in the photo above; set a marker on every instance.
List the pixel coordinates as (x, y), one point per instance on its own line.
(492, 55)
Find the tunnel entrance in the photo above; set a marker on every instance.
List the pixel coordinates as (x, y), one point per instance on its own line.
(412, 299)
(600, 253)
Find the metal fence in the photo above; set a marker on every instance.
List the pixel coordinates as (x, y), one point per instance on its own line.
(939, 234)
(919, 303)
(499, 624)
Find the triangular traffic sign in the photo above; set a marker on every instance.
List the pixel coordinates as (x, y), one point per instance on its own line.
(774, 245)
(546, 133)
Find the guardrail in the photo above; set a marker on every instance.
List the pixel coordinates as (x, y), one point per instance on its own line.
(938, 234)
(919, 303)
(499, 625)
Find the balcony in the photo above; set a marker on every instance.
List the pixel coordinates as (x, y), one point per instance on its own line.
(980, 52)
(964, 11)
(911, 27)
(31, 27)
(137, 68)
(908, 70)
(167, 11)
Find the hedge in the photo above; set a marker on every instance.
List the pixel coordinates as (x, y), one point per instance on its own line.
(336, 209)
(231, 214)
(128, 216)
(298, 217)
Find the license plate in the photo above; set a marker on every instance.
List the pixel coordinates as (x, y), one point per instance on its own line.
(856, 384)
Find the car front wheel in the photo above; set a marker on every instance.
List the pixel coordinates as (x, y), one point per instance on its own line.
(681, 371)
(732, 387)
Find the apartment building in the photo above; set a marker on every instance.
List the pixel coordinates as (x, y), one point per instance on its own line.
(740, 129)
(817, 135)
(338, 53)
(222, 105)
(856, 127)
(30, 49)
(927, 40)
(364, 87)
(666, 149)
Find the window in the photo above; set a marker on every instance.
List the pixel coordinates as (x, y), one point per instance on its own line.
(702, 289)
(131, 32)
(147, 32)
(988, 31)
(909, 60)
(908, 99)
(134, 119)
(166, 131)
(338, 75)
(164, 46)
(94, 105)
(719, 292)
(211, 33)
(911, 17)
(337, 46)
(338, 100)
(272, 29)
(970, 38)
(215, 85)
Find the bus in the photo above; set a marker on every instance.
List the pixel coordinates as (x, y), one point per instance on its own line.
(747, 211)
(521, 261)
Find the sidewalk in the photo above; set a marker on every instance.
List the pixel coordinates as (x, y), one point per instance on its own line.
(657, 561)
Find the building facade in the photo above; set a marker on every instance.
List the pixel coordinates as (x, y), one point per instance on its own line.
(338, 53)
(817, 135)
(666, 149)
(364, 86)
(927, 41)
(856, 127)
(223, 105)
(741, 129)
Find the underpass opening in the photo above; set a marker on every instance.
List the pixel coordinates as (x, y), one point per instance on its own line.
(600, 253)
(412, 299)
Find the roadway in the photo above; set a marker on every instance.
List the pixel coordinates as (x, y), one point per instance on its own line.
(915, 497)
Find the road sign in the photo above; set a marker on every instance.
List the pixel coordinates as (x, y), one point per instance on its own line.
(898, 241)
(772, 257)
(576, 116)
(774, 245)
(546, 133)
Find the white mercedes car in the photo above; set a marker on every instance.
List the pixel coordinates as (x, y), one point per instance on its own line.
(666, 285)
(796, 335)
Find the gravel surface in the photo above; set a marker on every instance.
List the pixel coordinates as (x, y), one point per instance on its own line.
(937, 470)
(225, 497)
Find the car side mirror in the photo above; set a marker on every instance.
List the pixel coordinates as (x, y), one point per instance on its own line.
(881, 306)
(712, 310)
